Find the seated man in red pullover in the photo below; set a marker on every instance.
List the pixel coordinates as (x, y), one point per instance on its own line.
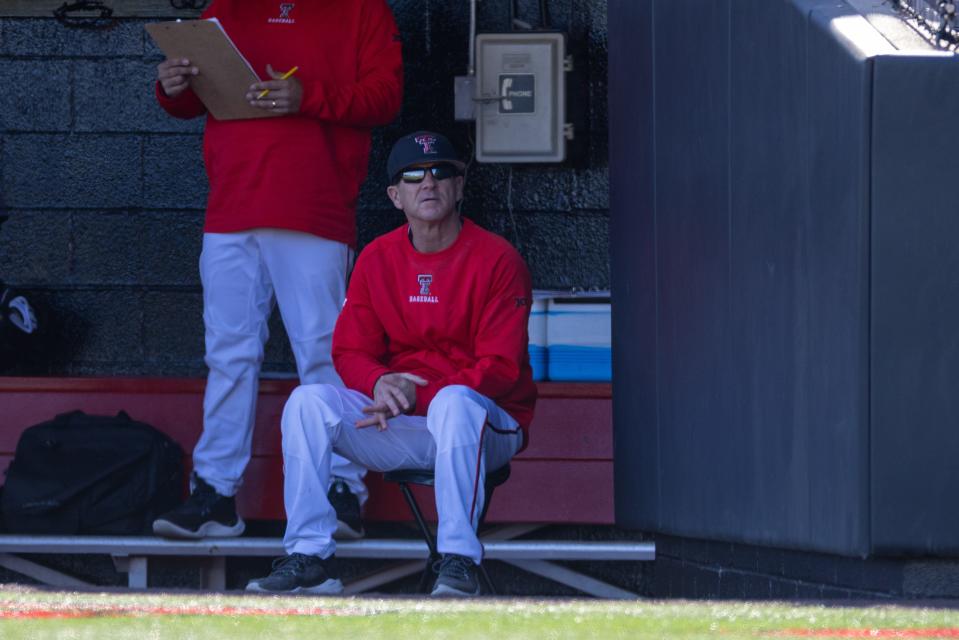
(432, 347)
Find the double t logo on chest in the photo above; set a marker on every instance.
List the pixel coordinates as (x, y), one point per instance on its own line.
(286, 8)
(425, 281)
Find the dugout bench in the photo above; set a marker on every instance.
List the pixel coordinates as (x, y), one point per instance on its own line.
(565, 476)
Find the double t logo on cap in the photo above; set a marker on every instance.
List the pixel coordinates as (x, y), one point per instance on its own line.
(427, 143)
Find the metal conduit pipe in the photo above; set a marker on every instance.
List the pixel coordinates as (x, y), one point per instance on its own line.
(471, 70)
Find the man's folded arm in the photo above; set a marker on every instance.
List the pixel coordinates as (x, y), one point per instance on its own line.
(375, 98)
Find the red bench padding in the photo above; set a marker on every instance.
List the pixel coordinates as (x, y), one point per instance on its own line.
(565, 475)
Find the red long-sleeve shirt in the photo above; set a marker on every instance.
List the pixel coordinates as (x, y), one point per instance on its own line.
(457, 316)
(301, 172)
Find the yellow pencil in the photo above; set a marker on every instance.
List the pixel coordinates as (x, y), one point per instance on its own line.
(286, 75)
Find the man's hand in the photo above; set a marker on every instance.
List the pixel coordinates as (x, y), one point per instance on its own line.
(393, 394)
(174, 76)
(285, 96)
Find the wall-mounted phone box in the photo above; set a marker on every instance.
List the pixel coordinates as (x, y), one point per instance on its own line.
(521, 97)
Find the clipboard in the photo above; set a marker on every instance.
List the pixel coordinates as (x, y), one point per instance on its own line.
(225, 75)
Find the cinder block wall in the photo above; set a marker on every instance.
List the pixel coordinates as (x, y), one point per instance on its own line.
(106, 193)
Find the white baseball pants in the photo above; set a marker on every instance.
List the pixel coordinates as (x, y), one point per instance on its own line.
(463, 434)
(243, 274)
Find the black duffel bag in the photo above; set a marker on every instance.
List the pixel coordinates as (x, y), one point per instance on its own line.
(91, 475)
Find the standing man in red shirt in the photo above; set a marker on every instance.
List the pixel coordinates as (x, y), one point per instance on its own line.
(280, 221)
(432, 346)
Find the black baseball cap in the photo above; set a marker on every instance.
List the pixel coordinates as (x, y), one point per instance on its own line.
(419, 148)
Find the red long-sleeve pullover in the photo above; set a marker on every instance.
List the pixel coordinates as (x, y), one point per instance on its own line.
(301, 172)
(457, 316)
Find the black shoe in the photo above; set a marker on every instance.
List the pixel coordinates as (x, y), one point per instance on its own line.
(457, 577)
(349, 525)
(299, 573)
(205, 513)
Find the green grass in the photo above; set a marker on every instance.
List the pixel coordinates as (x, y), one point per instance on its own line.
(135, 616)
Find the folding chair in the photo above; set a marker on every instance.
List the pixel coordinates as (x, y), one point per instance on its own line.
(406, 477)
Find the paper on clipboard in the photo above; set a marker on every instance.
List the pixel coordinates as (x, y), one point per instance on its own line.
(225, 75)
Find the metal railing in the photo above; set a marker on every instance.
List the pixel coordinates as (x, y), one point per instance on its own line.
(935, 19)
(131, 555)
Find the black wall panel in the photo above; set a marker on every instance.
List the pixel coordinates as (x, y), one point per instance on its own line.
(632, 260)
(915, 306)
(741, 251)
(692, 100)
(834, 285)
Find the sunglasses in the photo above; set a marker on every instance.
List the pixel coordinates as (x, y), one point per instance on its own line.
(439, 171)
